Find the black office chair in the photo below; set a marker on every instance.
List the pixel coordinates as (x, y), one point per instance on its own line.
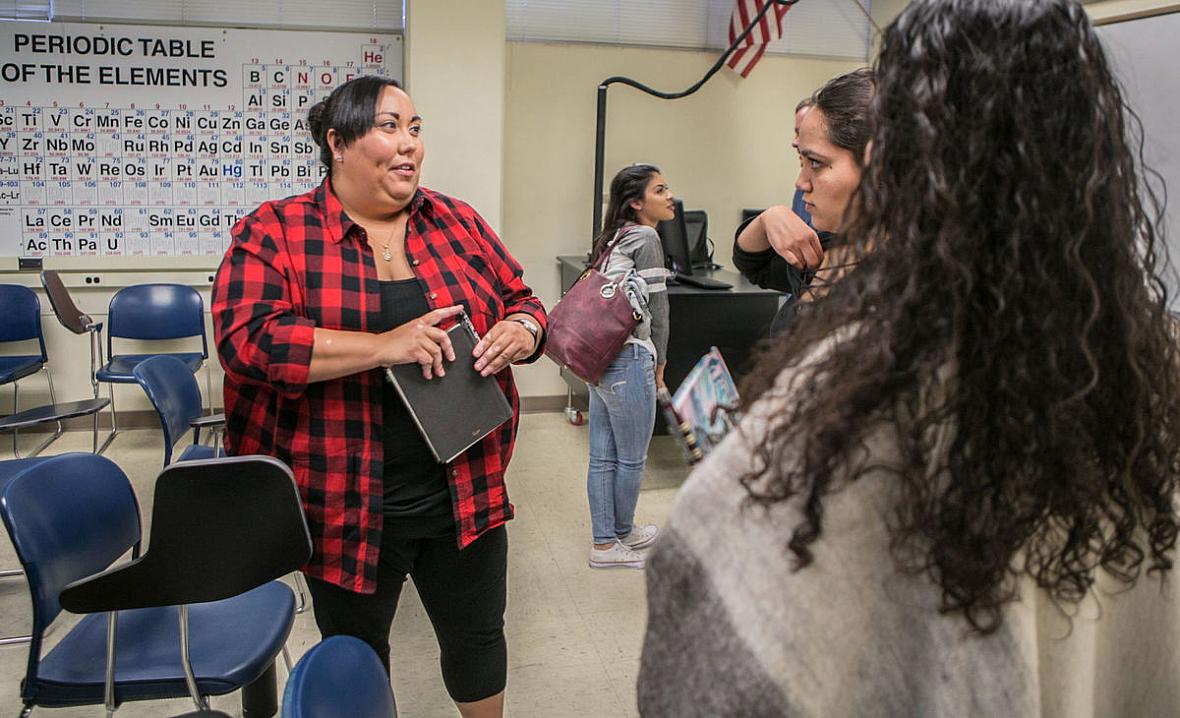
(198, 614)
(700, 246)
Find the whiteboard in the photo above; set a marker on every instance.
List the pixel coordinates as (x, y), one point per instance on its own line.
(1144, 55)
(139, 141)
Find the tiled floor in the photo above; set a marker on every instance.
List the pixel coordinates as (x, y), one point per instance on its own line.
(574, 634)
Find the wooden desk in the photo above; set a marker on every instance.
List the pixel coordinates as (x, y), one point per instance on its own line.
(731, 320)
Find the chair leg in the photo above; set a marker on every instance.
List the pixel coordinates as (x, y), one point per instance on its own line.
(190, 680)
(15, 406)
(52, 437)
(301, 591)
(95, 363)
(260, 699)
(114, 411)
(208, 389)
(114, 422)
(10, 640)
(108, 693)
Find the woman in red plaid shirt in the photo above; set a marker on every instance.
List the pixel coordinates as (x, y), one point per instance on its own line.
(316, 294)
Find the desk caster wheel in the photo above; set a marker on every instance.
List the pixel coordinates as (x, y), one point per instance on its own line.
(573, 416)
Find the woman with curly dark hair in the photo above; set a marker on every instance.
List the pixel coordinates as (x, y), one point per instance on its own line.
(955, 489)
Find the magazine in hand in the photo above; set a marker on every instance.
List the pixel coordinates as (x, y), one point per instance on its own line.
(704, 408)
(455, 410)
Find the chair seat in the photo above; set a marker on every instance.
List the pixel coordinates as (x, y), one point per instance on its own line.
(121, 369)
(199, 451)
(230, 646)
(52, 412)
(18, 367)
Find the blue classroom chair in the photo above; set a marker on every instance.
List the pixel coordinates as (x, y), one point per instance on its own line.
(198, 614)
(339, 676)
(153, 312)
(20, 323)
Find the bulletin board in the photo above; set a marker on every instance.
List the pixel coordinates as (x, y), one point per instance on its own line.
(151, 141)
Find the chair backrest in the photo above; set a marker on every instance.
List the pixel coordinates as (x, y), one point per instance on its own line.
(339, 676)
(68, 516)
(157, 311)
(175, 394)
(219, 528)
(696, 223)
(64, 308)
(20, 319)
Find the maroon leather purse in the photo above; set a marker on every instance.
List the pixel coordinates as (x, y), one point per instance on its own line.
(590, 323)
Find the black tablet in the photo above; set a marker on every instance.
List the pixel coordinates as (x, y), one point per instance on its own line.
(457, 409)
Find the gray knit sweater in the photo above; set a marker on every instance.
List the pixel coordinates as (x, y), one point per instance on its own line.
(733, 631)
(639, 248)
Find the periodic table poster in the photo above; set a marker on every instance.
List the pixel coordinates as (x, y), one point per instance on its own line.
(126, 141)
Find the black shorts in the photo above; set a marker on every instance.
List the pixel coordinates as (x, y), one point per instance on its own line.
(463, 592)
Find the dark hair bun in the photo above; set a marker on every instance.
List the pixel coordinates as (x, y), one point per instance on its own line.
(316, 121)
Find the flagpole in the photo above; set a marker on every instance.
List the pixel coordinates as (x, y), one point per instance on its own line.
(600, 124)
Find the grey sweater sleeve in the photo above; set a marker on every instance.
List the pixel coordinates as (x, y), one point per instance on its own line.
(648, 256)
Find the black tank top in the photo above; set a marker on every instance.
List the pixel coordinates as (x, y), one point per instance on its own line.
(415, 484)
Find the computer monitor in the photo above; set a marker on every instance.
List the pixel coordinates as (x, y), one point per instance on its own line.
(674, 238)
(696, 222)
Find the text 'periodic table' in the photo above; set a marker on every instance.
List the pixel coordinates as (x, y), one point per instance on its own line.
(125, 140)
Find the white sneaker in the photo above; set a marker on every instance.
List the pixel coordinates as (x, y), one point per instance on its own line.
(641, 536)
(617, 556)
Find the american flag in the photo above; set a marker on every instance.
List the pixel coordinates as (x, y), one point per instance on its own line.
(768, 29)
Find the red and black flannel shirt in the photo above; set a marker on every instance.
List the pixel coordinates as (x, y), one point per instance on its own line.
(300, 263)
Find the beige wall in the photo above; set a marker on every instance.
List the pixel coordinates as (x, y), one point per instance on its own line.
(883, 13)
(722, 149)
(454, 69)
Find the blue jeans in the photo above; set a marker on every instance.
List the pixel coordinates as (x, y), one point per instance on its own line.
(622, 417)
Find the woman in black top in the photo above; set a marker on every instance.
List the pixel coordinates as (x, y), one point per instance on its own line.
(831, 144)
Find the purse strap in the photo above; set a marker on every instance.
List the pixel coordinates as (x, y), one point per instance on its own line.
(610, 247)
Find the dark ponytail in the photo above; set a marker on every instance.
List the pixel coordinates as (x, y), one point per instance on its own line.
(628, 186)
